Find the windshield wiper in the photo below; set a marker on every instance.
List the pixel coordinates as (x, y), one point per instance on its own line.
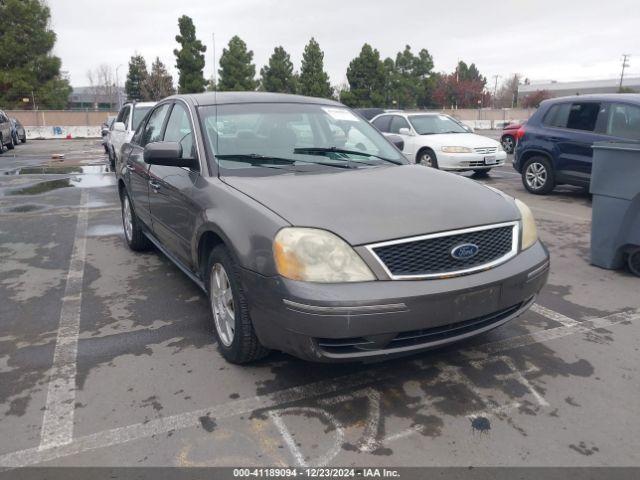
(259, 160)
(315, 150)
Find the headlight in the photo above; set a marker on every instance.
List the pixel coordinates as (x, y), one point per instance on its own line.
(457, 150)
(313, 255)
(529, 231)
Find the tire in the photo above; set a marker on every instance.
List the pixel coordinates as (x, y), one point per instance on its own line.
(24, 140)
(232, 325)
(133, 234)
(112, 160)
(508, 143)
(633, 260)
(1, 145)
(16, 140)
(484, 172)
(427, 157)
(11, 145)
(538, 176)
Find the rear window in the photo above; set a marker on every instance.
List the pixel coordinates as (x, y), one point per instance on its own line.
(624, 121)
(382, 123)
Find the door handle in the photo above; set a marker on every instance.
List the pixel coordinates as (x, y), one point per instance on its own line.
(131, 168)
(154, 185)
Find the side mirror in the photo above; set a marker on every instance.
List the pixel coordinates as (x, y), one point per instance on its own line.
(119, 127)
(168, 154)
(397, 141)
(405, 131)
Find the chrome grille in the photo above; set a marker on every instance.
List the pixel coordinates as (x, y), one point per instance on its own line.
(430, 256)
(485, 150)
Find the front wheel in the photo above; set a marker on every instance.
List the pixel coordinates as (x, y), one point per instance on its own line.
(538, 176)
(233, 328)
(10, 145)
(427, 157)
(508, 143)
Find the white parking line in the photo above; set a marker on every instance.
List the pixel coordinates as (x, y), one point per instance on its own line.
(555, 316)
(291, 443)
(121, 435)
(57, 425)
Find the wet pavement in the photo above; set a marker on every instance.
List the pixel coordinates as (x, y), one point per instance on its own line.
(146, 385)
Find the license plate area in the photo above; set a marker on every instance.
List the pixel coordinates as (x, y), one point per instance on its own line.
(490, 160)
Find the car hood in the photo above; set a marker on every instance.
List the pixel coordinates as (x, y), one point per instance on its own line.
(376, 204)
(470, 140)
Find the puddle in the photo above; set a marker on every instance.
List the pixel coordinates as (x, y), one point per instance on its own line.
(59, 170)
(79, 181)
(105, 231)
(25, 208)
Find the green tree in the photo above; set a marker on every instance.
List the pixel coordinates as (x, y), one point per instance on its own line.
(237, 72)
(278, 75)
(189, 58)
(367, 80)
(314, 81)
(159, 83)
(412, 80)
(27, 67)
(136, 77)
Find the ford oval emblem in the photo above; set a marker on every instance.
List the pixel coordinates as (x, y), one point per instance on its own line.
(465, 251)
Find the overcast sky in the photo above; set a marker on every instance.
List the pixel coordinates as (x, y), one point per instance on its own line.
(540, 39)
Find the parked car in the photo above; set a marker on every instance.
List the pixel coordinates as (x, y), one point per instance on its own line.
(554, 147)
(440, 141)
(128, 119)
(369, 113)
(6, 136)
(20, 134)
(105, 130)
(312, 234)
(508, 138)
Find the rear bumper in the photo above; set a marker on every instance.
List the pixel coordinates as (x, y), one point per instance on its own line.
(469, 161)
(341, 322)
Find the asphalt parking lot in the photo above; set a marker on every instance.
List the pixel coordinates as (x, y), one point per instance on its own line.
(107, 357)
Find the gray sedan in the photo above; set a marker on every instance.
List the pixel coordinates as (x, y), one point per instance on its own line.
(311, 233)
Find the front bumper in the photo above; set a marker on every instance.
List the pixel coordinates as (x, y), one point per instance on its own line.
(356, 321)
(469, 161)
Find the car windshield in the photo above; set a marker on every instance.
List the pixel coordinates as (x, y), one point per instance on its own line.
(286, 136)
(138, 115)
(434, 124)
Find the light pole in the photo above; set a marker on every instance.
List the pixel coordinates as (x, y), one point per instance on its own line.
(118, 87)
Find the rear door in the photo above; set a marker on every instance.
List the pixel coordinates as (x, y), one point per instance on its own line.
(136, 171)
(575, 127)
(622, 122)
(172, 211)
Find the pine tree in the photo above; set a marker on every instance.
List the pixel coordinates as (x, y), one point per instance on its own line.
(367, 80)
(28, 69)
(159, 84)
(237, 72)
(314, 81)
(189, 58)
(136, 77)
(278, 75)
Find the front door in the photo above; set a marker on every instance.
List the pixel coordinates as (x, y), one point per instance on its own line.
(172, 210)
(398, 123)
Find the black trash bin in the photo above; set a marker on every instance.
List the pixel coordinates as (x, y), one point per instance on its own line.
(615, 185)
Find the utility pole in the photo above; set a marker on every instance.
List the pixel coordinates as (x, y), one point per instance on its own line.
(495, 89)
(625, 64)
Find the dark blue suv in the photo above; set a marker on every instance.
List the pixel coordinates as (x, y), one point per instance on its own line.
(554, 147)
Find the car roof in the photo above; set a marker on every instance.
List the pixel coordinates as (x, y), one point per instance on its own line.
(221, 98)
(608, 97)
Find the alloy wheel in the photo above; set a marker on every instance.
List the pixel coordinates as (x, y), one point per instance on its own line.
(426, 159)
(536, 176)
(127, 218)
(222, 304)
(508, 144)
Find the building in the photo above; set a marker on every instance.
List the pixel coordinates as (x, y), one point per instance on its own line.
(107, 98)
(565, 89)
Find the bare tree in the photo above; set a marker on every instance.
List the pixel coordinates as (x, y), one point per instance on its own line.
(102, 85)
(507, 95)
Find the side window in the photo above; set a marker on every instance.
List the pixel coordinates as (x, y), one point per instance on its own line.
(397, 123)
(557, 115)
(179, 130)
(125, 117)
(153, 129)
(382, 123)
(624, 121)
(583, 116)
(121, 114)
